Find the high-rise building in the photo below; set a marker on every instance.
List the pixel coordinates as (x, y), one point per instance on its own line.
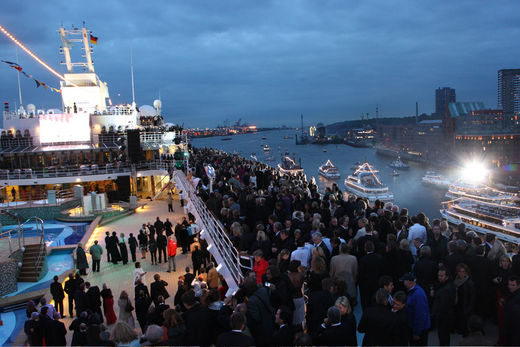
(509, 91)
(443, 97)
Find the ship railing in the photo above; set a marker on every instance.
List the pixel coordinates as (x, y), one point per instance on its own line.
(219, 244)
(25, 199)
(83, 170)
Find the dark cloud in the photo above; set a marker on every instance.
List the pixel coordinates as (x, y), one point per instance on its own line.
(269, 61)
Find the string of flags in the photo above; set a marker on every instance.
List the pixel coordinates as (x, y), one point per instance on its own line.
(38, 83)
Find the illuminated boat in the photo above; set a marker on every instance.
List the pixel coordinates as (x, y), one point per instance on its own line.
(88, 141)
(484, 217)
(480, 192)
(266, 148)
(365, 183)
(329, 170)
(435, 179)
(289, 166)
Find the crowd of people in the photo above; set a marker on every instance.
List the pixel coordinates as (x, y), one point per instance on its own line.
(315, 258)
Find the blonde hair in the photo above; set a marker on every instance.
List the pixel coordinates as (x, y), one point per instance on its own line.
(318, 265)
(404, 245)
(343, 301)
(122, 333)
(261, 236)
(497, 251)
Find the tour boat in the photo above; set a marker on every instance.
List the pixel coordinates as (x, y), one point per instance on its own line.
(398, 164)
(395, 173)
(436, 179)
(484, 217)
(365, 183)
(266, 148)
(329, 170)
(288, 165)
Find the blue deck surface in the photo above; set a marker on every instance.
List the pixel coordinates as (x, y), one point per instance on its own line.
(56, 233)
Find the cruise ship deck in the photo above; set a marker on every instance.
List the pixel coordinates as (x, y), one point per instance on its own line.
(118, 277)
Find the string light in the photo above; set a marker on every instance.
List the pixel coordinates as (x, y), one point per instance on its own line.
(34, 56)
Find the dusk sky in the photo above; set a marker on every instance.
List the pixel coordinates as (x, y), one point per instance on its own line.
(267, 62)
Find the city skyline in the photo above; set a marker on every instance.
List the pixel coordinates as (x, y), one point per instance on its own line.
(267, 63)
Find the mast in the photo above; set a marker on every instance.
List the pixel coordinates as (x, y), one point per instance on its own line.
(19, 88)
(86, 41)
(132, 73)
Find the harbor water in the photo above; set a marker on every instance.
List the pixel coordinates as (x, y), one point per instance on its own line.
(407, 188)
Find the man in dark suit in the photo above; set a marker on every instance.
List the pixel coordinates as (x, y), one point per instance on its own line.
(57, 294)
(108, 245)
(331, 332)
(198, 320)
(159, 310)
(236, 337)
(284, 336)
(378, 322)
(55, 332)
(317, 239)
(158, 288)
(70, 289)
(162, 243)
(370, 269)
(94, 299)
(80, 299)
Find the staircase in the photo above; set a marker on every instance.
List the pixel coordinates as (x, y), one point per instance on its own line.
(33, 263)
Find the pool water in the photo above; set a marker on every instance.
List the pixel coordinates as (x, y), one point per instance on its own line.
(56, 233)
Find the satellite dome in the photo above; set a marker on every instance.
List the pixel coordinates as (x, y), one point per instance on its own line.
(147, 111)
(157, 103)
(31, 108)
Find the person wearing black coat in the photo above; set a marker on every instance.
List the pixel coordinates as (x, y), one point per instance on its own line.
(57, 294)
(80, 299)
(510, 330)
(197, 318)
(438, 244)
(114, 242)
(70, 289)
(481, 274)
(108, 246)
(370, 269)
(377, 322)
(55, 332)
(94, 299)
(465, 298)
(235, 337)
(426, 269)
(443, 310)
(122, 248)
(142, 304)
(168, 227)
(158, 288)
(332, 331)
(132, 244)
(34, 330)
(196, 259)
(284, 336)
(260, 313)
(162, 242)
(81, 260)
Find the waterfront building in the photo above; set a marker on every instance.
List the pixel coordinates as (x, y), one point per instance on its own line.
(443, 97)
(509, 91)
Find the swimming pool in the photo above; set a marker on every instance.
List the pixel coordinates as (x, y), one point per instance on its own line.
(56, 233)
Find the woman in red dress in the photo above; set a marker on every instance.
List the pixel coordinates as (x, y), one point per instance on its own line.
(108, 305)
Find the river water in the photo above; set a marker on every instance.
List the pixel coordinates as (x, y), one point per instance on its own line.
(408, 190)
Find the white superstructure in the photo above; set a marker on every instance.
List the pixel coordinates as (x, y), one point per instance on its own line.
(329, 170)
(481, 192)
(484, 217)
(365, 183)
(433, 178)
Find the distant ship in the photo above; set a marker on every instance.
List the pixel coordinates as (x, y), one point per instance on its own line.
(289, 166)
(266, 148)
(365, 183)
(329, 170)
(398, 164)
(225, 139)
(436, 179)
(264, 138)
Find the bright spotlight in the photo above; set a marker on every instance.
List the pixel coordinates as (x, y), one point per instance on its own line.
(474, 172)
